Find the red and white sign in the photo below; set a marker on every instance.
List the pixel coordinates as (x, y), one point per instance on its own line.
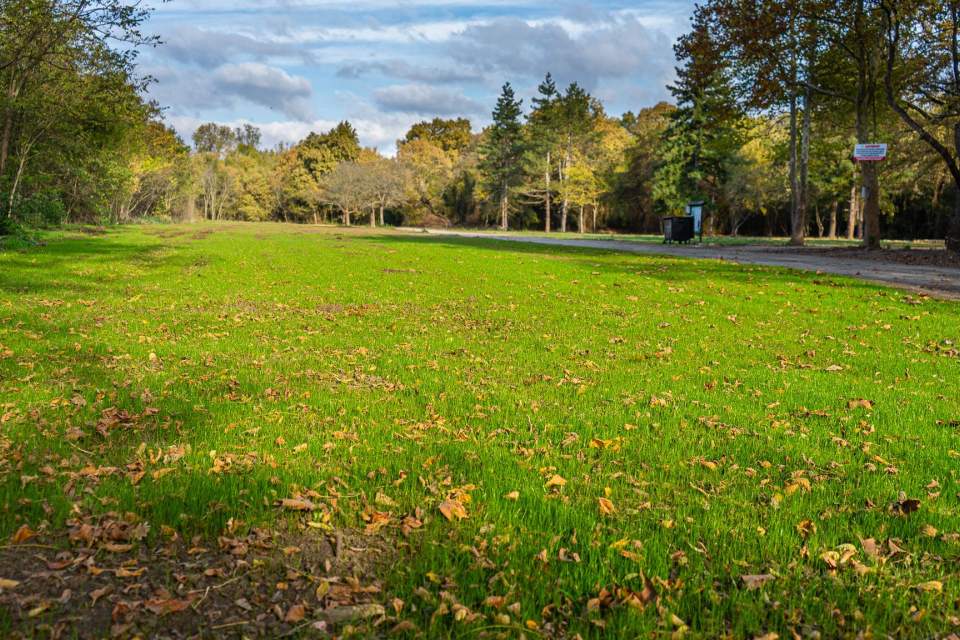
(870, 153)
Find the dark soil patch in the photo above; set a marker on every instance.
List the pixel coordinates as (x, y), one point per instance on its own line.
(932, 257)
(260, 585)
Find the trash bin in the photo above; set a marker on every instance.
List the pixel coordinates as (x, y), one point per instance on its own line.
(677, 229)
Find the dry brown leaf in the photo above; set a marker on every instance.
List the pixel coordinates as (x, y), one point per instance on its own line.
(834, 367)
(753, 582)
(453, 510)
(806, 528)
(123, 572)
(7, 584)
(99, 593)
(296, 613)
(513, 495)
(297, 504)
(163, 606)
(23, 534)
(606, 507)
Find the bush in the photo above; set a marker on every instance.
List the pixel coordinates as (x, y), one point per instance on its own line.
(40, 211)
(20, 226)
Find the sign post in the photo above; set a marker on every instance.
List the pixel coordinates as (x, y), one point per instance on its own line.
(870, 153)
(695, 209)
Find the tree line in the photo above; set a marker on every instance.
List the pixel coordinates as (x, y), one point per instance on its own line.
(769, 100)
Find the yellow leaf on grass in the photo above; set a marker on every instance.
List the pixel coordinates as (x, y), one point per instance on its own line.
(453, 510)
(556, 481)
(606, 507)
(806, 528)
(934, 586)
(7, 584)
(513, 495)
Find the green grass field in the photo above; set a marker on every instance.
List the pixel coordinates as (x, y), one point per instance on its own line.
(639, 444)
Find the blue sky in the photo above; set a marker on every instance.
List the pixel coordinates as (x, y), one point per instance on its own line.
(295, 66)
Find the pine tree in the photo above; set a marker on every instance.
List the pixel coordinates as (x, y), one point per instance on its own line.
(702, 131)
(543, 129)
(503, 149)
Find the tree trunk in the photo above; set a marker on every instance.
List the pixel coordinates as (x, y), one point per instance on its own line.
(580, 221)
(805, 166)
(953, 231)
(504, 206)
(547, 196)
(870, 229)
(373, 217)
(854, 211)
(13, 90)
(381, 215)
(832, 228)
(594, 218)
(796, 231)
(564, 208)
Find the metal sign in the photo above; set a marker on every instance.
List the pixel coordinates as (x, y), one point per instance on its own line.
(870, 153)
(695, 209)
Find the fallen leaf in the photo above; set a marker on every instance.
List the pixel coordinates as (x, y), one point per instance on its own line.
(123, 572)
(323, 589)
(513, 495)
(834, 367)
(23, 534)
(753, 582)
(296, 613)
(99, 593)
(163, 606)
(297, 504)
(556, 481)
(905, 507)
(806, 528)
(934, 587)
(453, 510)
(384, 500)
(7, 584)
(606, 507)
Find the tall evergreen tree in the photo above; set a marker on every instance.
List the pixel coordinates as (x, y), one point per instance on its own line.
(702, 131)
(543, 129)
(502, 150)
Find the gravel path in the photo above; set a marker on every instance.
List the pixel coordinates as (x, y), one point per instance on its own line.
(935, 281)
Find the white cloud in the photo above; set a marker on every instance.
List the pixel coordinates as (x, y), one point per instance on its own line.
(268, 86)
(195, 90)
(425, 99)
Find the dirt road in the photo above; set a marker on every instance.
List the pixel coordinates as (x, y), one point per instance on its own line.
(936, 281)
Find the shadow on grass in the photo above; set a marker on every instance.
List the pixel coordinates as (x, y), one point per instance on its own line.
(52, 267)
(674, 269)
